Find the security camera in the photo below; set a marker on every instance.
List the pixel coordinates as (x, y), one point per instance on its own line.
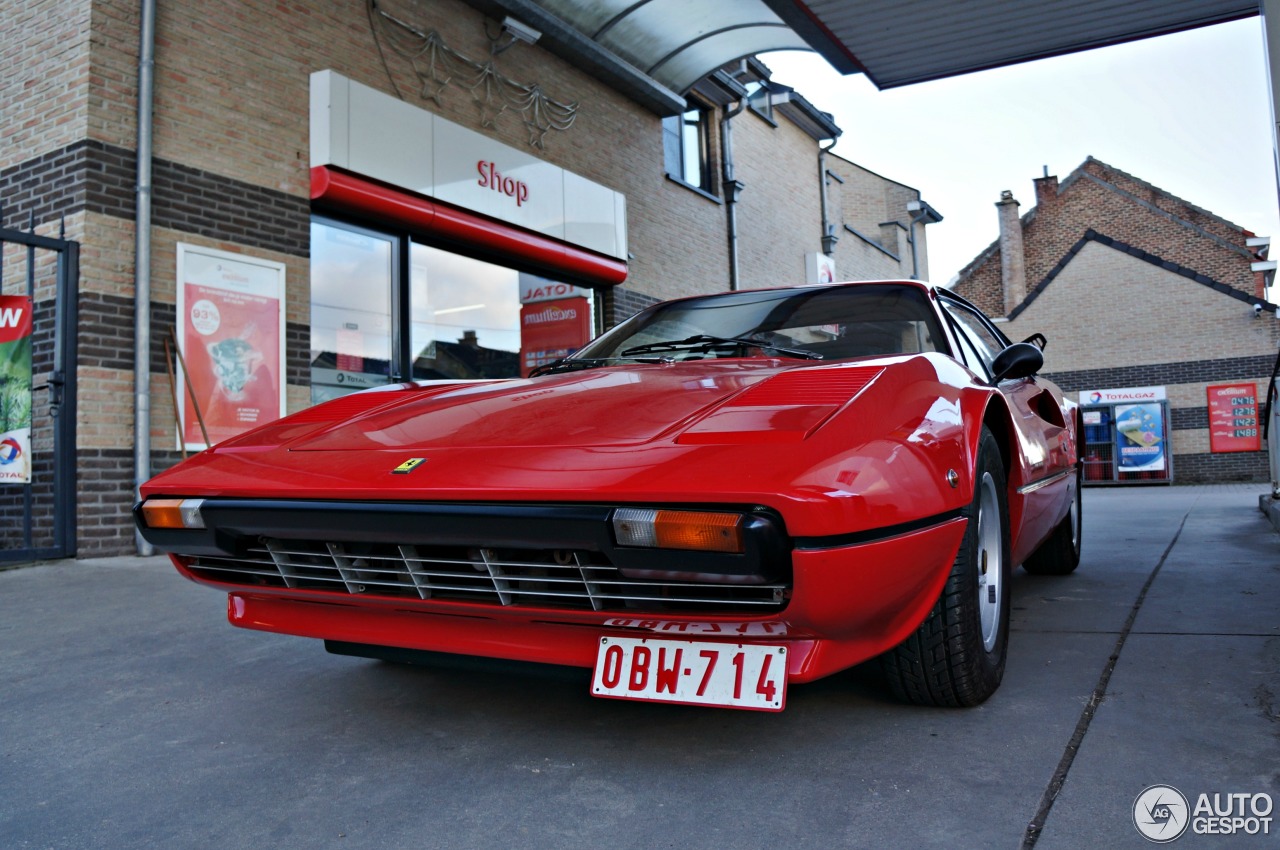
(520, 31)
(1257, 310)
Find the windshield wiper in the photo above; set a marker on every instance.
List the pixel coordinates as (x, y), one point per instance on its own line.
(708, 342)
(570, 364)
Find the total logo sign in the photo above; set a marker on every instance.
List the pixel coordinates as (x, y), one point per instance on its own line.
(1121, 396)
(10, 451)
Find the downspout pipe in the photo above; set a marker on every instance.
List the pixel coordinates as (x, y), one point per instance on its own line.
(911, 238)
(142, 263)
(732, 188)
(829, 237)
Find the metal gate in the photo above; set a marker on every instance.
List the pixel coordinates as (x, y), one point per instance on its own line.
(38, 396)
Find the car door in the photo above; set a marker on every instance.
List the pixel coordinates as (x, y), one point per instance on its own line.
(1044, 457)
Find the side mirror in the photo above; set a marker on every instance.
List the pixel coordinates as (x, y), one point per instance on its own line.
(1020, 360)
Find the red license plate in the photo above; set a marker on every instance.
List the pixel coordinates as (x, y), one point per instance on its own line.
(729, 675)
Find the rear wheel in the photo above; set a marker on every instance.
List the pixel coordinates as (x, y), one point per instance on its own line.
(1060, 554)
(957, 655)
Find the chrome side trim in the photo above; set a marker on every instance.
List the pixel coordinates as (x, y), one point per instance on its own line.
(1045, 482)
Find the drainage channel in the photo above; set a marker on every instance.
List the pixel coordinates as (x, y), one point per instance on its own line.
(1037, 824)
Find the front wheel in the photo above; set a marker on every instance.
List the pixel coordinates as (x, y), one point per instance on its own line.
(957, 655)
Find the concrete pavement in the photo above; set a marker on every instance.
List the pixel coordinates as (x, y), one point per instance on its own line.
(132, 715)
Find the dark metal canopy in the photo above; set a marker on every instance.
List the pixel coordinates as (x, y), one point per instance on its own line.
(896, 43)
(655, 51)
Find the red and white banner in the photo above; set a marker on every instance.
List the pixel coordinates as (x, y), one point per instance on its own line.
(550, 330)
(231, 334)
(15, 389)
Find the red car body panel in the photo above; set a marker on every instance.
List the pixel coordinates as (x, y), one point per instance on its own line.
(867, 465)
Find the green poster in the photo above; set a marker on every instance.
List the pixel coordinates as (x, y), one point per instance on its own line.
(15, 389)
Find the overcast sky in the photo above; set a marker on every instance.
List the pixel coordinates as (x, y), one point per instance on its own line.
(1186, 112)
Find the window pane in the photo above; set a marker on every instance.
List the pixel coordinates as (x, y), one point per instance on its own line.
(352, 273)
(692, 144)
(975, 333)
(464, 316)
(672, 154)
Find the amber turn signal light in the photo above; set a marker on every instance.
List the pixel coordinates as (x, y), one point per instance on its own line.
(173, 513)
(703, 531)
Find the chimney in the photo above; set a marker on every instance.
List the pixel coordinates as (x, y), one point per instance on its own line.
(469, 339)
(1046, 190)
(1013, 264)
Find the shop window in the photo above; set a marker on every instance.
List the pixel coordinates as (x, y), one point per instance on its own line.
(449, 317)
(464, 316)
(353, 274)
(687, 148)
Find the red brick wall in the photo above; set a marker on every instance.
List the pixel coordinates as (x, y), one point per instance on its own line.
(1122, 207)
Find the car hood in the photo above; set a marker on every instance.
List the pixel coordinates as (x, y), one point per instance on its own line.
(599, 407)
(843, 439)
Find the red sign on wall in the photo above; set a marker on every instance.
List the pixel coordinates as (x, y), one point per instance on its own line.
(550, 330)
(1233, 418)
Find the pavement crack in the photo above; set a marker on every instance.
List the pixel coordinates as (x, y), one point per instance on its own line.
(1267, 702)
(1051, 791)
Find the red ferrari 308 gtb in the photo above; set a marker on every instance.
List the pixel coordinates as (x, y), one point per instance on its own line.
(724, 495)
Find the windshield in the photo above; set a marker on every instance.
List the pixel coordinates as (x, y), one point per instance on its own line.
(827, 323)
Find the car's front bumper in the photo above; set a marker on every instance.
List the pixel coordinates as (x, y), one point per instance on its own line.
(846, 604)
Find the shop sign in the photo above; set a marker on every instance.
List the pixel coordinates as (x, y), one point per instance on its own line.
(491, 178)
(550, 330)
(1129, 394)
(1140, 437)
(819, 268)
(231, 336)
(376, 135)
(15, 389)
(534, 289)
(1233, 418)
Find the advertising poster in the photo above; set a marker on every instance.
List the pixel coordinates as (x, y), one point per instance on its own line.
(552, 329)
(15, 389)
(231, 335)
(1140, 437)
(1233, 418)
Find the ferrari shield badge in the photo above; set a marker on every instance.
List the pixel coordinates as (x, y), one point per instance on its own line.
(408, 466)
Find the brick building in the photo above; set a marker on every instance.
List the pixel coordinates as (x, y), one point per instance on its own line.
(1143, 296)
(338, 169)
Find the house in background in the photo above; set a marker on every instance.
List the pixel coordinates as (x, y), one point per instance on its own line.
(1157, 319)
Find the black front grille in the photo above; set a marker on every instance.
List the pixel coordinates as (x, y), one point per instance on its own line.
(557, 579)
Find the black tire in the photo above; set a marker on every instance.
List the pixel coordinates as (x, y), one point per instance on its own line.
(957, 656)
(1060, 554)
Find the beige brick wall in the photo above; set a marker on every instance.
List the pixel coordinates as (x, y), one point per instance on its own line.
(44, 87)
(1108, 309)
(779, 214)
(870, 204)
